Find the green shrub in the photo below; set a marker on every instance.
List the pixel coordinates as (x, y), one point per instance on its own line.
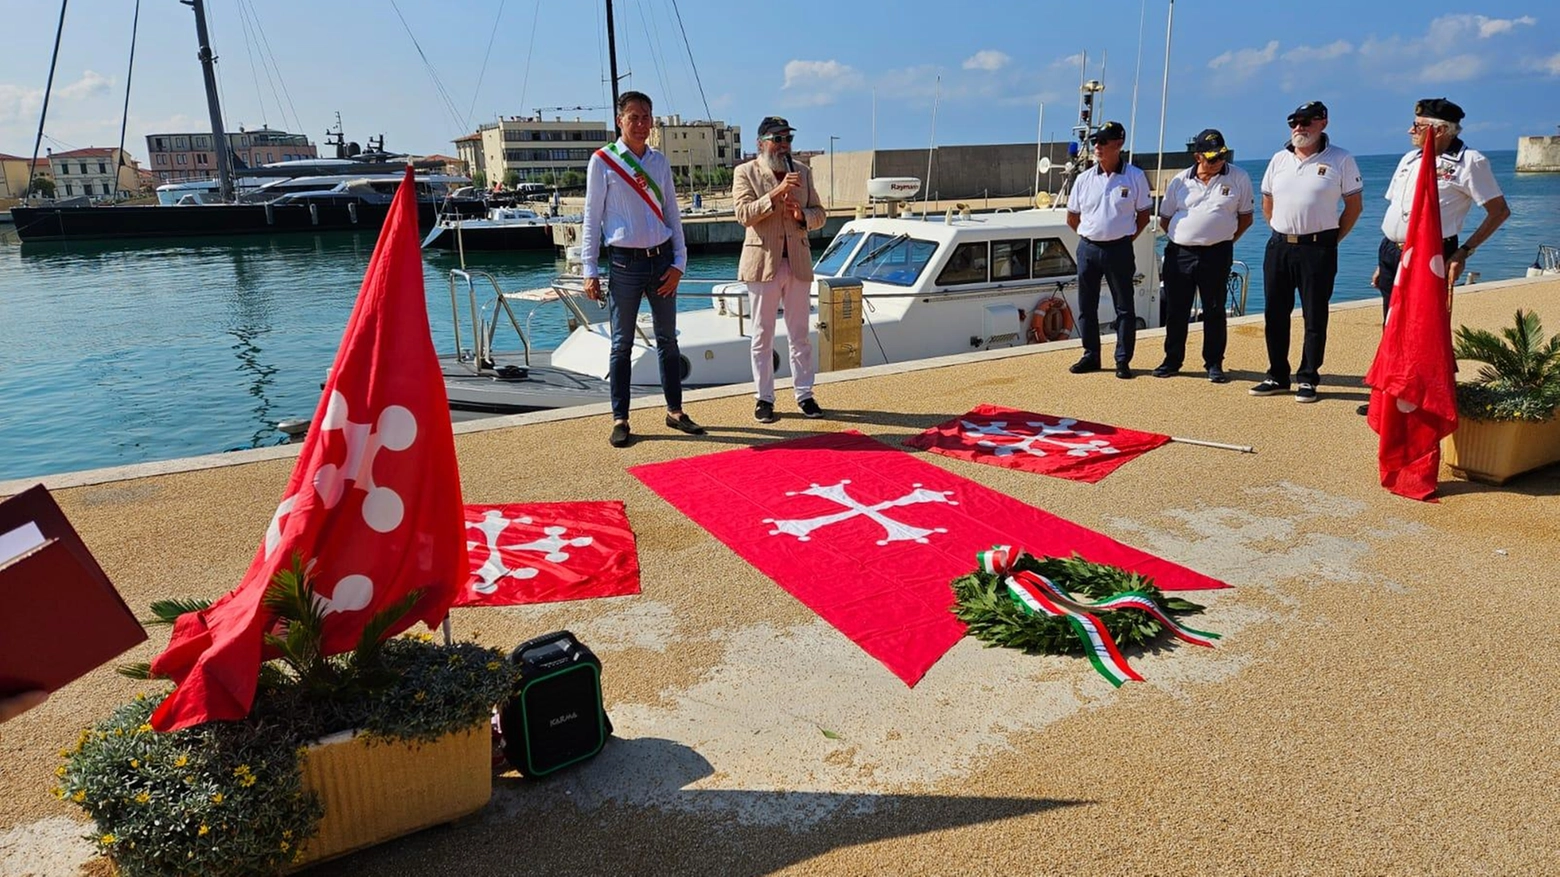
(1520, 375)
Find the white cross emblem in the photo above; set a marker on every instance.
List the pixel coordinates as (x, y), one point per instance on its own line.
(894, 531)
(1027, 441)
(549, 546)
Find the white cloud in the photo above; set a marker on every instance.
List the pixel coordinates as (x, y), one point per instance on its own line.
(1244, 62)
(815, 83)
(1552, 64)
(1489, 27)
(90, 83)
(1458, 68)
(986, 59)
(1319, 53)
(20, 104)
(1072, 60)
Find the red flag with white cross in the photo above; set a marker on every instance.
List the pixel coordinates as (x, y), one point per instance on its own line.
(1064, 447)
(540, 552)
(1413, 400)
(373, 503)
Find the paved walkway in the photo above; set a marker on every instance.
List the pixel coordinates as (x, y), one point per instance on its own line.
(1384, 700)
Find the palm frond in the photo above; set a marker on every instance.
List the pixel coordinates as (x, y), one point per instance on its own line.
(378, 627)
(138, 670)
(168, 611)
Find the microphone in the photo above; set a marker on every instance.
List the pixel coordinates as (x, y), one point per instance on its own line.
(791, 166)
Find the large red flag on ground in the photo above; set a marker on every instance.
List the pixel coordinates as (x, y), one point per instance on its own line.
(870, 537)
(539, 552)
(1413, 400)
(1077, 450)
(373, 503)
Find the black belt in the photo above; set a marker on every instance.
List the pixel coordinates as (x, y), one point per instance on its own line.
(1448, 243)
(1124, 240)
(1202, 246)
(643, 252)
(1329, 236)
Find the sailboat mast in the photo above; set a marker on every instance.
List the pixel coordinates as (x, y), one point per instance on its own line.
(208, 69)
(612, 60)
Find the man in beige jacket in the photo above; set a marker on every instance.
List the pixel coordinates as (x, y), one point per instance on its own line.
(776, 202)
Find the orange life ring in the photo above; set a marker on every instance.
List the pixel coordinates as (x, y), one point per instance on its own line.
(1052, 320)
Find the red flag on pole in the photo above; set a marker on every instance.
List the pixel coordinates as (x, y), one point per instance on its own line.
(374, 502)
(1413, 400)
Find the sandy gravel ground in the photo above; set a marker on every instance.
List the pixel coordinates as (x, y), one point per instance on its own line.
(1383, 701)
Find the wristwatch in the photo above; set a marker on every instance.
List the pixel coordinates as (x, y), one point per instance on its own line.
(1465, 250)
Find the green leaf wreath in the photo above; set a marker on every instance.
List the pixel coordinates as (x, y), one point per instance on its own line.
(983, 602)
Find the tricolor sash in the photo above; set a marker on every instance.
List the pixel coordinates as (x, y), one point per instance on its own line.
(635, 175)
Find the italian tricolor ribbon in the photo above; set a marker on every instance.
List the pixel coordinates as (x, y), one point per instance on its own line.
(1102, 650)
(637, 177)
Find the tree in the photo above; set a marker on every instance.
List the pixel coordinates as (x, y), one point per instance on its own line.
(511, 178)
(479, 179)
(43, 186)
(573, 179)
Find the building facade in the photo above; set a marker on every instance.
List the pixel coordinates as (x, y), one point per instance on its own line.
(96, 172)
(14, 176)
(698, 150)
(533, 149)
(176, 158)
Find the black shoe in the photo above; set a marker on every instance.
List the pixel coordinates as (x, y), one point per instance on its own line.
(1085, 365)
(620, 435)
(1217, 375)
(684, 423)
(764, 412)
(1165, 370)
(1124, 371)
(1363, 410)
(810, 408)
(1269, 387)
(1306, 393)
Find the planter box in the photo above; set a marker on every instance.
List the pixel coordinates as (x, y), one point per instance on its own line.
(1494, 451)
(376, 791)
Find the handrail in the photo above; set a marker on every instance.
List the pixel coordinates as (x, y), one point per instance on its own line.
(481, 331)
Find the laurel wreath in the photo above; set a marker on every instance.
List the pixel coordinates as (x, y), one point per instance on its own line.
(983, 602)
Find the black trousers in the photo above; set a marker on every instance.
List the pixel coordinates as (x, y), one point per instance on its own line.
(1309, 268)
(1387, 257)
(1190, 271)
(1116, 263)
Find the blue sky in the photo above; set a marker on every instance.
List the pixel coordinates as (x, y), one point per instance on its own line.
(986, 66)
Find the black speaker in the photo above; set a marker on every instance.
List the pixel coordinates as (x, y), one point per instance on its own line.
(555, 717)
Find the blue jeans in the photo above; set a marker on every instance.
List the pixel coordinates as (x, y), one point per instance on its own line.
(635, 276)
(1116, 263)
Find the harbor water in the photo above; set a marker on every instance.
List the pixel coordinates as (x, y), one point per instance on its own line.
(119, 352)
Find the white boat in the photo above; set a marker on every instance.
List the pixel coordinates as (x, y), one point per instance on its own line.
(504, 228)
(931, 287)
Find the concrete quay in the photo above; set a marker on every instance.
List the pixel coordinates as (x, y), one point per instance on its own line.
(1383, 700)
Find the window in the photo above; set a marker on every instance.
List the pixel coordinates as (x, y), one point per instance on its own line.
(83, 168)
(64, 169)
(102, 167)
(896, 259)
(70, 189)
(183, 159)
(86, 189)
(966, 265)
(161, 158)
(1052, 259)
(833, 258)
(1010, 260)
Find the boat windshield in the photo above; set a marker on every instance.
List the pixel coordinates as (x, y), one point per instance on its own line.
(834, 256)
(895, 259)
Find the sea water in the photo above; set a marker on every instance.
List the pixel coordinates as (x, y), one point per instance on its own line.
(119, 352)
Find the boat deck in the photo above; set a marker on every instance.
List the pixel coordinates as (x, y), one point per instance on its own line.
(1383, 699)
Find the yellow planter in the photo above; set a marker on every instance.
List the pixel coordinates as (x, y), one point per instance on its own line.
(376, 791)
(1494, 451)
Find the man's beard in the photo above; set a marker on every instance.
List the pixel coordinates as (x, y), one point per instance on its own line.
(775, 161)
(1304, 139)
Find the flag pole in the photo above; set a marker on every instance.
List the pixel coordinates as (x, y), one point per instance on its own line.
(1244, 449)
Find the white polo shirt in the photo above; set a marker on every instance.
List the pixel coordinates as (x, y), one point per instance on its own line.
(1306, 191)
(1108, 204)
(1463, 179)
(1207, 213)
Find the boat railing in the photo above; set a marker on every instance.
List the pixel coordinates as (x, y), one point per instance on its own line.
(481, 354)
(1547, 261)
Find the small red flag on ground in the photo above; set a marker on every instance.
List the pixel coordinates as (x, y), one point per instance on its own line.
(373, 503)
(539, 552)
(1413, 400)
(1064, 447)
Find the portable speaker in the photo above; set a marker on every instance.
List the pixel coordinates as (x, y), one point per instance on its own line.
(554, 718)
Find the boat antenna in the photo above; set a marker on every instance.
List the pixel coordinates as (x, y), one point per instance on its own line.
(1136, 75)
(926, 193)
(612, 61)
(1039, 149)
(32, 166)
(1164, 94)
(124, 117)
(214, 106)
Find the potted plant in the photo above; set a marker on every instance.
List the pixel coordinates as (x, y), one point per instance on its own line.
(1507, 421)
(337, 754)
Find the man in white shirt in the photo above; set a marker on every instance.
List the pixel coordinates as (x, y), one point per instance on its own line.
(1300, 193)
(1205, 210)
(1108, 208)
(631, 210)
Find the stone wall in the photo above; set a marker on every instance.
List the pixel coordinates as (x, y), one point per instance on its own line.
(1538, 154)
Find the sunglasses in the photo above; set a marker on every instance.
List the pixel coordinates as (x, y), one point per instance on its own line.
(1301, 121)
(779, 138)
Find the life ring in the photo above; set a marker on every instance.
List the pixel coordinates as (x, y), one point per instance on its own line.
(1052, 320)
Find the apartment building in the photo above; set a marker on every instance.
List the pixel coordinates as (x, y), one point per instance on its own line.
(96, 172)
(176, 158)
(697, 150)
(14, 176)
(535, 149)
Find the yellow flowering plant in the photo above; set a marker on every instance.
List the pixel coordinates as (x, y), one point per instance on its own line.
(227, 799)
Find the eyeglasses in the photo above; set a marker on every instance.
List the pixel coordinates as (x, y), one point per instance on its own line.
(780, 138)
(1301, 121)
